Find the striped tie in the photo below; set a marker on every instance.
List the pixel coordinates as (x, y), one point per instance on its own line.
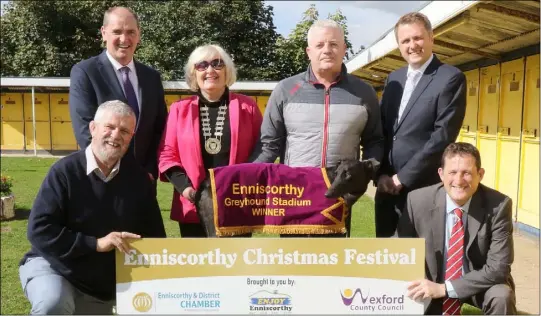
(455, 253)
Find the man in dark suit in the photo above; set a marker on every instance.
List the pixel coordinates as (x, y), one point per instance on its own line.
(468, 232)
(422, 108)
(114, 74)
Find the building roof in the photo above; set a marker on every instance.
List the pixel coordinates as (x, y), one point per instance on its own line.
(464, 32)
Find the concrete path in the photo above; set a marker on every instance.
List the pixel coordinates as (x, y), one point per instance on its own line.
(525, 269)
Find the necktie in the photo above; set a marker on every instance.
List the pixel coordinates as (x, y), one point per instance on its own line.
(129, 91)
(411, 82)
(455, 254)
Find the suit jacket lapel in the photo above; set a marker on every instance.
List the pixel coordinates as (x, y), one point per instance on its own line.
(234, 119)
(476, 217)
(438, 235)
(420, 88)
(402, 76)
(108, 72)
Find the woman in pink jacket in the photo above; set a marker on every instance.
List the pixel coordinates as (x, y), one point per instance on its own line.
(213, 128)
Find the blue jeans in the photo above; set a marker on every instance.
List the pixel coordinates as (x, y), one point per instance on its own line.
(50, 293)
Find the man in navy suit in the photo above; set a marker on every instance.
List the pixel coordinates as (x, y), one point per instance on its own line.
(115, 75)
(422, 108)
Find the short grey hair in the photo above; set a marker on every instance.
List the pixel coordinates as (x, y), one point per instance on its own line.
(324, 24)
(203, 52)
(115, 107)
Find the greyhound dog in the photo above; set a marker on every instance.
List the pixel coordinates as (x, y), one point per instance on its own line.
(349, 180)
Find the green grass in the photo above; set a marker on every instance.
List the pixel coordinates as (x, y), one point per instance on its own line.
(28, 173)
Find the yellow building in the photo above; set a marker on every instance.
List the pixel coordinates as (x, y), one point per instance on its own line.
(38, 108)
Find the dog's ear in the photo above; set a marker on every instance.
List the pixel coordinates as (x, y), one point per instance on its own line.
(371, 166)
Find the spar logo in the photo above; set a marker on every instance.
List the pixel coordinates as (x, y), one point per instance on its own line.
(359, 300)
(142, 302)
(270, 301)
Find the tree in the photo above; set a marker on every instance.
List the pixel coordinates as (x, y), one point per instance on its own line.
(176, 28)
(341, 19)
(291, 51)
(46, 38)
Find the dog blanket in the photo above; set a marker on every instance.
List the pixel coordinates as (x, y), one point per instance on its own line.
(274, 198)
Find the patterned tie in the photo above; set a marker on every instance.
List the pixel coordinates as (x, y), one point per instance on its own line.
(130, 92)
(411, 83)
(455, 253)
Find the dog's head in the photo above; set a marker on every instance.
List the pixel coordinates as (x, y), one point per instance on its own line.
(351, 179)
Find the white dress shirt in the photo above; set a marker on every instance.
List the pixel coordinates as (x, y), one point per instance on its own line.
(450, 220)
(92, 166)
(412, 79)
(132, 75)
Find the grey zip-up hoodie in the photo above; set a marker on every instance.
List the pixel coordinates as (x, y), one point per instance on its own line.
(307, 125)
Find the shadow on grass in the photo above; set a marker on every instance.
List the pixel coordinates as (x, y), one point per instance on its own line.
(21, 214)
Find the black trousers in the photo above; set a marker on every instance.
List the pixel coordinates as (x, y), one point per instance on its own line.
(196, 230)
(387, 210)
(192, 230)
(337, 235)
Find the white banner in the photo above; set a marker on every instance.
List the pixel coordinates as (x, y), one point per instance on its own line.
(269, 276)
(266, 295)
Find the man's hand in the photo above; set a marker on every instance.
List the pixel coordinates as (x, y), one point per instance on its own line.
(422, 289)
(189, 193)
(385, 184)
(397, 185)
(117, 240)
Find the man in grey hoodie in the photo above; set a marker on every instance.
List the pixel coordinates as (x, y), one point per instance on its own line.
(323, 115)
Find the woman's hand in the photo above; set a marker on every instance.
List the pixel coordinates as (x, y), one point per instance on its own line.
(189, 193)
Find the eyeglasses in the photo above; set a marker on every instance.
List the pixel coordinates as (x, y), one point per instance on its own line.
(217, 64)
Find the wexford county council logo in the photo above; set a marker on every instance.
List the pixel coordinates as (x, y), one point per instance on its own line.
(142, 302)
(365, 302)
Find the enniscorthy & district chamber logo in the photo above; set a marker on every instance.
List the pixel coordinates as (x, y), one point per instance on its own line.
(142, 302)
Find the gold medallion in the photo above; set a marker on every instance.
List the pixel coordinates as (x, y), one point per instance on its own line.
(213, 146)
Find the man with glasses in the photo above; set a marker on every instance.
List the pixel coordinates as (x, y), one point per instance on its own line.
(323, 115)
(114, 74)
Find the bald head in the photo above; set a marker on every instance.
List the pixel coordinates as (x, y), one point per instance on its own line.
(121, 11)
